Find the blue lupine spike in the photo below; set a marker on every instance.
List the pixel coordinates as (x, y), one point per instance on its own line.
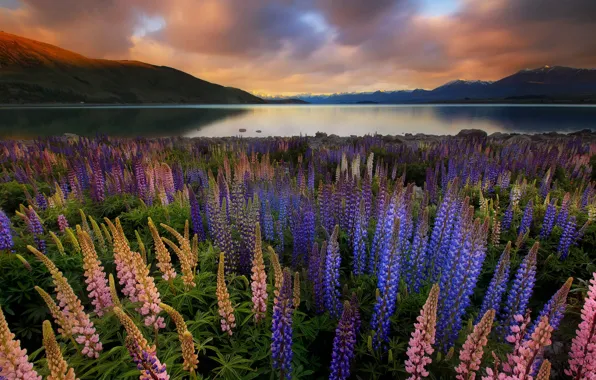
(549, 220)
(388, 283)
(507, 218)
(281, 328)
(417, 260)
(555, 308)
(520, 292)
(331, 279)
(359, 248)
(6, 241)
(526, 221)
(567, 237)
(195, 216)
(343, 345)
(498, 284)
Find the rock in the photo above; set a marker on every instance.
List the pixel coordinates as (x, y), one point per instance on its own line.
(471, 133)
(242, 130)
(258, 131)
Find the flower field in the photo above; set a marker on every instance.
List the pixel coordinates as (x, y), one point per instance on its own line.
(367, 258)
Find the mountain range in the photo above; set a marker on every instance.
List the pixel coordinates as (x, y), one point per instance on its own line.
(542, 85)
(36, 72)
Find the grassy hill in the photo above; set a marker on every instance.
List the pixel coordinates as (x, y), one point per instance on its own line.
(36, 72)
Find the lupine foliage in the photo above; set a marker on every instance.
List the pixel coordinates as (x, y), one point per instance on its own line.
(297, 257)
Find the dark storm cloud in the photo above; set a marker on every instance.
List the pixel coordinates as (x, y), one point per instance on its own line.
(332, 45)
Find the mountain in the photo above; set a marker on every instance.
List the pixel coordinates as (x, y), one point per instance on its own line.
(36, 72)
(544, 84)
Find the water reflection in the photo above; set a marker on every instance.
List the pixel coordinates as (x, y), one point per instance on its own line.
(193, 121)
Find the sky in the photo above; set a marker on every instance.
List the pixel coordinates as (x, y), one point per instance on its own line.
(290, 47)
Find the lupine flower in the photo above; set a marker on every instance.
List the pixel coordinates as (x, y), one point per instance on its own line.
(582, 357)
(526, 354)
(417, 257)
(277, 272)
(72, 309)
(34, 225)
(554, 310)
(62, 223)
(296, 290)
(507, 218)
(360, 241)
(331, 279)
(472, 351)
(423, 338)
(73, 239)
(195, 215)
(317, 270)
(281, 328)
(142, 354)
(139, 286)
(65, 324)
(343, 345)
(114, 292)
(498, 284)
(259, 280)
(188, 260)
(97, 234)
(146, 362)
(164, 261)
(526, 221)
(520, 292)
(14, 363)
(191, 359)
(95, 277)
(59, 369)
(226, 311)
(564, 211)
(57, 242)
(567, 237)
(544, 371)
(549, 220)
(6, 241)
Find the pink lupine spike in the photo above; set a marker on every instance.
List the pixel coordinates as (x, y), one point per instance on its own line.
(423, 338)
(582, 358)
(473, 349)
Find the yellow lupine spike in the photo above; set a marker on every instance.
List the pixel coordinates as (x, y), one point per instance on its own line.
(58, 243)
(114, 292)
(191, 360)
(59, 369)
(141, 246)
(106, 233)
(73, 239)
(65, 324)
(98, 234)
(296, 290)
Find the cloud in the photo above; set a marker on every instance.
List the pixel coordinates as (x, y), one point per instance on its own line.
(314, 46)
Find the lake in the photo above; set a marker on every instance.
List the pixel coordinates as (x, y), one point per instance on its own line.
(287, 120)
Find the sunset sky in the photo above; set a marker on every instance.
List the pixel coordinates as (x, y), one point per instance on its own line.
(319, 46)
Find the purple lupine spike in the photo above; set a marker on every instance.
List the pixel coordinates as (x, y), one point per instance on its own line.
(98, 184)
(331, 278)
(567, 237)
(360, 234)
(507, 218)
(6, 242)
(549, 220)
(62, 223)
(520, 292)
(498, 284)
(41, 201)
(311, 176)
(416, 260)
(281, 328)
(195, 216)
(36, 228)
(268, 223)
(343, 345)
(317, 271)
(564, 211)
(555, 308)
(526, 221)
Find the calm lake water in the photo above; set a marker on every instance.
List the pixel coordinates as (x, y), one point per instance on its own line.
(286, 120)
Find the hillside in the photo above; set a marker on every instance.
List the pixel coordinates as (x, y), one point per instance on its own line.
(36, 72)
